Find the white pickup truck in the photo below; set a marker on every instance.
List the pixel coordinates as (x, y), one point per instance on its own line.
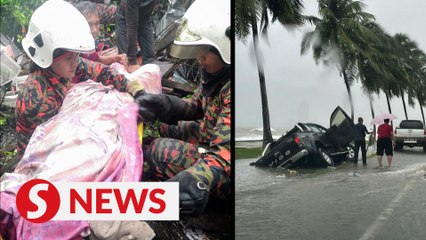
(410, 133)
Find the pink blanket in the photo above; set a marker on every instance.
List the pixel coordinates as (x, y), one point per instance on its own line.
(92, 138)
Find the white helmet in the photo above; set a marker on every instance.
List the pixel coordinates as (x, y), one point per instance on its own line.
(56, 24)
(205, 23)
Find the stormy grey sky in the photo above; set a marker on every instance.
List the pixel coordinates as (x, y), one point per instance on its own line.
(299, 90)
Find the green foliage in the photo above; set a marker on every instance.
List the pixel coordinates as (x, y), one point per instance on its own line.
(151, 129)
(3, 121)
(245, 153)
(15, 16)
(10, 154)
(5, 157)
(249, 13)
(109, 29)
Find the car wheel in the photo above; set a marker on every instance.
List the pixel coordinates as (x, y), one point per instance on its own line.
(326, 157)
(424, 146)
(351, 152)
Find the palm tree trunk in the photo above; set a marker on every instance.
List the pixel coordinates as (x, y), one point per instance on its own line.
(403, 103)
(370, 98)
(348, 88)
(388, 101)
(267, 135)
(421, 110)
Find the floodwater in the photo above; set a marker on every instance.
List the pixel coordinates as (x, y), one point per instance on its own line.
(346, 202)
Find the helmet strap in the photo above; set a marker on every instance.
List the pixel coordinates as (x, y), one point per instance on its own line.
(59, 52)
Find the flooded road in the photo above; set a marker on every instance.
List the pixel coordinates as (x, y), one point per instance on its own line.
(348, 202)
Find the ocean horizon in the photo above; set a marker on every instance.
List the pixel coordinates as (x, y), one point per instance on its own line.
(253, 136)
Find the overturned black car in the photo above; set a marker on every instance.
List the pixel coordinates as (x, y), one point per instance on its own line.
(312, 145)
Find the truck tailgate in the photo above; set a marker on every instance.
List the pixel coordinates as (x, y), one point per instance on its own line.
(409, 133)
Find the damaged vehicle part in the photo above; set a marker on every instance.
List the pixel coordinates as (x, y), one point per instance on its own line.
(311, 145)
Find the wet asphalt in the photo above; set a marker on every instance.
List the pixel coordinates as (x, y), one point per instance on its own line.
(346, 202)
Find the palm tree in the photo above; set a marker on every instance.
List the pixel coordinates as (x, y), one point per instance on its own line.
(420, 93)
(248, 14)
(414, 59)
(340, 36)
(408, 52)
(372, 69)
(395, 67)
(380, 70)
(390, 86)
(418, 89)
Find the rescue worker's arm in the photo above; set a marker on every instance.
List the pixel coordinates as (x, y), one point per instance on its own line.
(33, 107)
(217, 160)
(106, 59)
(169, 109)
(92, 57)
(110, 59)
(196, 181)
(104, 74)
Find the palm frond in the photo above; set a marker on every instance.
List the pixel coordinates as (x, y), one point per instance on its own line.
(307, 40)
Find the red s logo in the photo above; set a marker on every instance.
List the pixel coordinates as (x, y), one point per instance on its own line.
(38, 201)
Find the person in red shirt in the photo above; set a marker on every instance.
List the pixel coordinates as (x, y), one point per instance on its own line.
(385, 142)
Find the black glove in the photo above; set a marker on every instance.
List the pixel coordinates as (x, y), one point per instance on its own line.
(193, 194)
(151, 106)
(166, 108)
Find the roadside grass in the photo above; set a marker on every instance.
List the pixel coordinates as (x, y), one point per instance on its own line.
(245, 153)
